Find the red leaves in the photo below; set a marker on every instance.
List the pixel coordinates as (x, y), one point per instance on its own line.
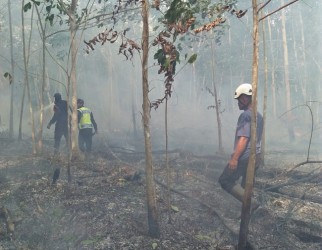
(167, 61)
(126, 48)
(209, 26)
(182, 27)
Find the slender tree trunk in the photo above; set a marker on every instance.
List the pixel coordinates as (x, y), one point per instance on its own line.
(21, 110)
(245, 216)
(133, 108)
(273, 87)
(12, 72)
(303, 63)
(287, 80)
(27, 63)
(72, 81)
(153, 221)
(25, 60)
(167, 161)
(43, 82)
(300, 87)
(217, 104)
(265, 95)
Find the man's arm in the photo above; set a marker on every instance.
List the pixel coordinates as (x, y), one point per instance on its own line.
(240, 148)
(93, 122)
(79, 116)
(53, 119)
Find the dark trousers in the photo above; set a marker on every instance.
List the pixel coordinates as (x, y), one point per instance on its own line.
(85, 139)
(59, 133)
(228, 179)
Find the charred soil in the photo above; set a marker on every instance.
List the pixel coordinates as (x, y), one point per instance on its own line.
(104, 206)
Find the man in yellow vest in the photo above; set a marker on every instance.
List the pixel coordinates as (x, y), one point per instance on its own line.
(86, 123)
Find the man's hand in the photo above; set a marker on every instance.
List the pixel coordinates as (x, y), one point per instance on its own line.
(240, 148)
(233, 164)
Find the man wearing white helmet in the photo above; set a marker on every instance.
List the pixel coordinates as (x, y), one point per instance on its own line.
(237, 165)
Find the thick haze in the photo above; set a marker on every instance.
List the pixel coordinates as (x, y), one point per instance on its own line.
(111, 85)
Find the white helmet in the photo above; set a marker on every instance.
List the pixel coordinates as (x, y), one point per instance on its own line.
(244, 88)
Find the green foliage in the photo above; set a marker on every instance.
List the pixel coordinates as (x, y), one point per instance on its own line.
(192, 58)
(177, 56)
(179, 10)
(160, 57)
(8, 75)
(36, 2)
(50, 18)
(27, 7)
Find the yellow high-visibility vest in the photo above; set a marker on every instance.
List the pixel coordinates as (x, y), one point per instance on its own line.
(85, 120)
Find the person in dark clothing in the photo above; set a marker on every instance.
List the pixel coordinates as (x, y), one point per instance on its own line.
(238, 163)
(86, 123)
(60, 119)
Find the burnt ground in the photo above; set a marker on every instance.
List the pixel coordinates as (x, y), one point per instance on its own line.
(104, 206)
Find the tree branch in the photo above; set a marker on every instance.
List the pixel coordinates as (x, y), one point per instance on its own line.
(280, 8)
(263, 6)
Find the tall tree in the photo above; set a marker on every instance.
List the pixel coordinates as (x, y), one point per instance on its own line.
(245, 217)
(72, 82)
(42, 30)
(26, 83)
(153, 221)
(287, 79)
(12, 75)
(217, 102)
(265, 94)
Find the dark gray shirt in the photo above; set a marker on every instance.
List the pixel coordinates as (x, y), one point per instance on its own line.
(243, 129)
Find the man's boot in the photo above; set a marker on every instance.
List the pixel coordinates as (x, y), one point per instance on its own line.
(238, 192)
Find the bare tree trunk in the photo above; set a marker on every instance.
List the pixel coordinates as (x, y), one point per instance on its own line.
(153, 221)
(245, 216)
(167, 162)
(43, 82)
(25, 60)
(27, 63)
(217, 104)
(72, 81)
(21, 111)
(272, 68)
(300, 65)
(303, 63)
(287, 80)
(12, 72)
(265, 94)
(133, 108)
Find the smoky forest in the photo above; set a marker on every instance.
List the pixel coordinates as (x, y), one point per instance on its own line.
(160, 125)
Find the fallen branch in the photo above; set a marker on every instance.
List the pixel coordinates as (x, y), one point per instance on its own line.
(210, 208)
(5, 213)
(303, 163)
(307, 178)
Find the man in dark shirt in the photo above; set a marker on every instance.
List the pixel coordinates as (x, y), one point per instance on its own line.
(237, 165)
(60, 119)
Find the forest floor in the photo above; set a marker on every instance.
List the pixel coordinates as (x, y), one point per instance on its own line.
(104, 206)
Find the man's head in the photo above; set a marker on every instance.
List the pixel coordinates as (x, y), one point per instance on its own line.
(243, 94)
(57, 97)
(80, 103)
